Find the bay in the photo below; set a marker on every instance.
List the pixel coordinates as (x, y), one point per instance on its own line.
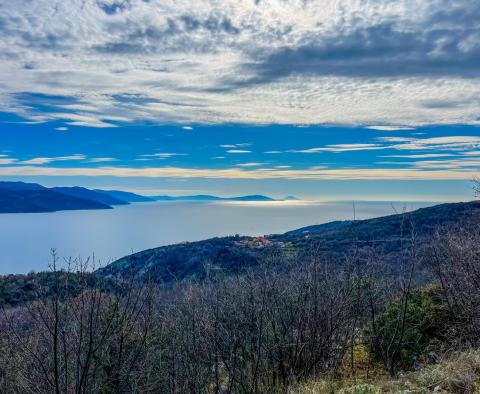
(26, 239)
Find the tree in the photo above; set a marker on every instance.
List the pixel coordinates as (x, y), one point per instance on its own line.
(85, 341)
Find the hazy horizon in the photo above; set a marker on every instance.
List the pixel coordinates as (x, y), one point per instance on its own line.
(112, 234)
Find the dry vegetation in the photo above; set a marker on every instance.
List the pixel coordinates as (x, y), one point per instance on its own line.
(312, 327)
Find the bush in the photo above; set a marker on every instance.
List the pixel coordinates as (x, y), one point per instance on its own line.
(413, 326)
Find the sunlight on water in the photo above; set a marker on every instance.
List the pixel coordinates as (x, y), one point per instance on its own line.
(26, 239)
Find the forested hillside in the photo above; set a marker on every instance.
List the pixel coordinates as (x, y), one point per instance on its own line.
(333, 241)
(42, 200)
(276, 315)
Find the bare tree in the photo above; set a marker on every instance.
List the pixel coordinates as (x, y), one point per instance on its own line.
(78, 336)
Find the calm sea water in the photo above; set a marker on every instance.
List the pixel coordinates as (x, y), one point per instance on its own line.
(26, 239)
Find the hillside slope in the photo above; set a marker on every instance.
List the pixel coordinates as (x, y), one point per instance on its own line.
(42, 200)
(17, 185)
(81, 192)
(335, 239)
(124, 196)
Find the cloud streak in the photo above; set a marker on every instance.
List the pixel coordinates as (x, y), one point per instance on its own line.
(424, 172)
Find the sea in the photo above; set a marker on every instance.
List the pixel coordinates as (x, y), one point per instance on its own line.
(27, 239)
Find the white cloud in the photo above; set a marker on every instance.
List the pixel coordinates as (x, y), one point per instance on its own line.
(341, 148)
(238, 151)
(390, 128)
(188, 128)
(241, 145)
(46, 160)
(454, 143)
(318, 173)
(395, 139)
(163, 155)
(249, 164)
(421, 156)
(205, 61)
(7, 160)
(441, 143)
(454, 164)
(61, 128)
(101, 159)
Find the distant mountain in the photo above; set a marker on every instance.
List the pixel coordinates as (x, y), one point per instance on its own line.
(81, 192)
(199, 197)
(21, 186)
(251, 198)
(386, 235)
(124, 196)
(207, 197)
(19, 197)
(42, 200)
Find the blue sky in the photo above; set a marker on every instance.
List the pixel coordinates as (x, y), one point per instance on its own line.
(352, 99)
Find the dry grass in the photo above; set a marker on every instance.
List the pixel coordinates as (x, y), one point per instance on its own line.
(457, 374)
(460, 373)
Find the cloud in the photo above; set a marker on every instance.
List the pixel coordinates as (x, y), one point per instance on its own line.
(249, 164)
(421, 156)
(383, 50)
(47, 160)
(453, 164)
(238, 151)
(319, 173)
(371, 62)
(161, 155)
(61, 128)
(101, 159)
(341, 148)
(390, 128)
(454, 143)
(7, 160)
(187, 128)
(241, 145)
(446, 143)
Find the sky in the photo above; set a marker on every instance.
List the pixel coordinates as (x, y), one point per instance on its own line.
(344, 99)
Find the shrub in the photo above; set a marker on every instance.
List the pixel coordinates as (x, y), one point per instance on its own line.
(413, 325)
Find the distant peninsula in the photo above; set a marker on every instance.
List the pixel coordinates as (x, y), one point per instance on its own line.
(207, 197)
(22, 197)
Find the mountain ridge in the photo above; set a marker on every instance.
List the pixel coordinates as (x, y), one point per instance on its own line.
(386, 234)
(17, 185)
(83, 198)
(43, 200)
(124, 196)
(23, 197)
(84, 193)
(208, 197)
